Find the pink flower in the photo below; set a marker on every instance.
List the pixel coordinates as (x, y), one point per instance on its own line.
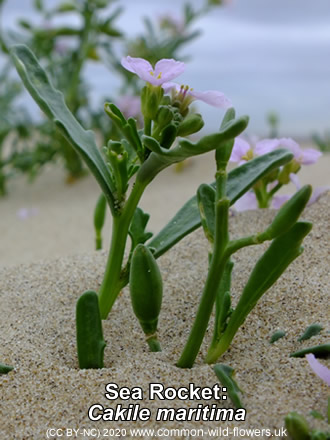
(243, 151)
(279, 200)
(320, 370)
(247, 202)
(171, 22)
(186, 95)
(165, 70)
(25, 213)
(306, 156)
(130, 106)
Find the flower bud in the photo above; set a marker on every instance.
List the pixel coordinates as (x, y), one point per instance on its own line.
(164, 116)
(297, 426)
(291, 167)
(151, 97)
(191, 124)
(168, 136)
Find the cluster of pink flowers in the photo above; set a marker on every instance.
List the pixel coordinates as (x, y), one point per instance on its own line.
(244, 151)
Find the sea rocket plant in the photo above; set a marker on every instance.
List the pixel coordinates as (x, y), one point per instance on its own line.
(123, 173)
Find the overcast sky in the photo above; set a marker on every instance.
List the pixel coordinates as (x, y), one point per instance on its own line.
(264, 55)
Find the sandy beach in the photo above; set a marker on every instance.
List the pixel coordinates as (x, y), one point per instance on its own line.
(60, 217)
(47, 390)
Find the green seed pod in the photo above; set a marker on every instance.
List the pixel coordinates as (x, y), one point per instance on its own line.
(288, 214)
(90, 342)
(168, 136)
(4, 369)
(191, 124)
(297, 426)
(146, 288)
(99, 217)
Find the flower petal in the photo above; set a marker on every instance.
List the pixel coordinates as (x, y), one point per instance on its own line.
(241, 147)
(310, 156)
(247, 202)
(292, 145)
(139, 66)
(317, 194)
(278, 201)
(212, 97)
(130, 105)
(295, 180)
(320, 370)
(169, 86)
(266, 146)
(168, 69)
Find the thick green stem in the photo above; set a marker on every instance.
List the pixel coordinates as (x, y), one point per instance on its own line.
(261, 194)
(236, 320)
(114, 280)
(217, 266)
(274, 190)
(147, 126)
(154, 344)
(235, 245)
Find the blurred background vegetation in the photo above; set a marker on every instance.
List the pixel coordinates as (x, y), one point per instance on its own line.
(69, 37)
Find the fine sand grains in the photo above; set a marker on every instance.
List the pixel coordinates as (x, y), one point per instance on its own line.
(37, 336)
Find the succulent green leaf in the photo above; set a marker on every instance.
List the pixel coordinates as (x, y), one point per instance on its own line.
(52, 103)
(228, 117)
(137, 228)
(312, 330)
(90, 342)
(316, 415)
(99, 217)
(225, 375)
(288, 214)
(297, 426)
(146, 288)
(276, 336)
(240, 180)
(206, 205)
(222, 303)
(320, 351)
(319, 435)
(186, 149)
(4, 369)
(282, 251)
